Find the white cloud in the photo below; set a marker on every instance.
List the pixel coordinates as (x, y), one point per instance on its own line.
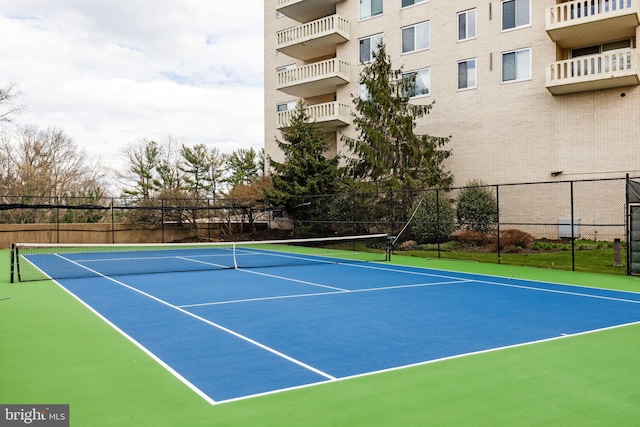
(110, 73)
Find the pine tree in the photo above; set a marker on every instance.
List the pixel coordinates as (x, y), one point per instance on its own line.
(243, 166)
(306, 169)
(387, 152)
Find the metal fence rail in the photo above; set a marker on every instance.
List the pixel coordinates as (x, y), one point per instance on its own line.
(572, 225)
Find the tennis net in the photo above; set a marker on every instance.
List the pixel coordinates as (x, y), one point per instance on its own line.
(32, 261)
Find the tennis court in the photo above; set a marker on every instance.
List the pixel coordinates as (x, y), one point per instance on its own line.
(231, 329)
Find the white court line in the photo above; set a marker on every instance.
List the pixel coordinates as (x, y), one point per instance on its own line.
(265, 274)
(557, 291)
(429, 362)
(386, 288)
(533, 288)
(293, 280)
(222, 328)
(339, 290)
(334, 379)
(162, 363)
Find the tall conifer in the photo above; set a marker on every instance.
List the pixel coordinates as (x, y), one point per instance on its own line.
(388, 153)
(306, 169)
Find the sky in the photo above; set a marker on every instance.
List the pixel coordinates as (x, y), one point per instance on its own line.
(111, 73)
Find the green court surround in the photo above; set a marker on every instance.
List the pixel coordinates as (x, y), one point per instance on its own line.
(55, 350)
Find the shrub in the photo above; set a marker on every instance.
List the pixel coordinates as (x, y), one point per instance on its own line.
(475, 238)
(476, 207)
(514, 241)
(408, 245)
(433, 221)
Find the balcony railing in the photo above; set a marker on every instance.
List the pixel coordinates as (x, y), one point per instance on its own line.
(585, 22)
(318, 78)
(306, 10)
(330, 114)
(314, 39)
(608, 70)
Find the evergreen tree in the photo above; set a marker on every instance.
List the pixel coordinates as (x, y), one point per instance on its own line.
(203, 169)
(477, 208)
(434, 218)
(388, 152)
(306, 169)
(143, 159)
(242, 165)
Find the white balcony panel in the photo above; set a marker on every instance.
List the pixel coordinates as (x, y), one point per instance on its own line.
(318, 78)
(306, 10)
(586, 22)
(314, 39)
(608, 70)
(330, 115)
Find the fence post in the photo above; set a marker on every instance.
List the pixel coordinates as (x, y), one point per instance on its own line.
(57, 219)
(208, 219)
(438, 219)
(573, 239)
(498, 222)
(627, 223)
(13, 250)
(113, 222)
(162, 217)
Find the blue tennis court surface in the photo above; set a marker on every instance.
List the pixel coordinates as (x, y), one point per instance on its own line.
(236, 333)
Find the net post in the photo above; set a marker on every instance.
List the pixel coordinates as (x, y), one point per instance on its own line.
(13, 249)
(235, 261)
(389, 247)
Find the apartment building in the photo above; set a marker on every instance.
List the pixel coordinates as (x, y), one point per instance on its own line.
(528, 90)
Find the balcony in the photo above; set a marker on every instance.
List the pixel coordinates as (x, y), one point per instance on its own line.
(585, 22)
(306, 10)
(608, 70)
(318, 78)
(330, 115)
(314, 39)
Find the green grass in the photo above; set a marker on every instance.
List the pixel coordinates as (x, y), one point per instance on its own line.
(55, 350)
(589, 257)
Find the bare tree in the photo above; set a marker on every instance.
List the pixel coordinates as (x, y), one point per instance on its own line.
(170, 178)
(44, 166)
(47, 163)
(7, 95)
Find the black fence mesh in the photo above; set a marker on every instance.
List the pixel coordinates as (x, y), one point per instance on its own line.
(572, 225)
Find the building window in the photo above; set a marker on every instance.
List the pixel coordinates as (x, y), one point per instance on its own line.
(467, 74)
(516, 65)
(515, 13)
(285, 68)
(467, 25)
(415, 37)
(370, 8)
(598, 49)
(420, 84)
(363, 92)
(286, 106)
(406, 3)
(369, 46)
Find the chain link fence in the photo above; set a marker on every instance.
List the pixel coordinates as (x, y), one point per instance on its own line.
(127, 220)
(570, 225)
